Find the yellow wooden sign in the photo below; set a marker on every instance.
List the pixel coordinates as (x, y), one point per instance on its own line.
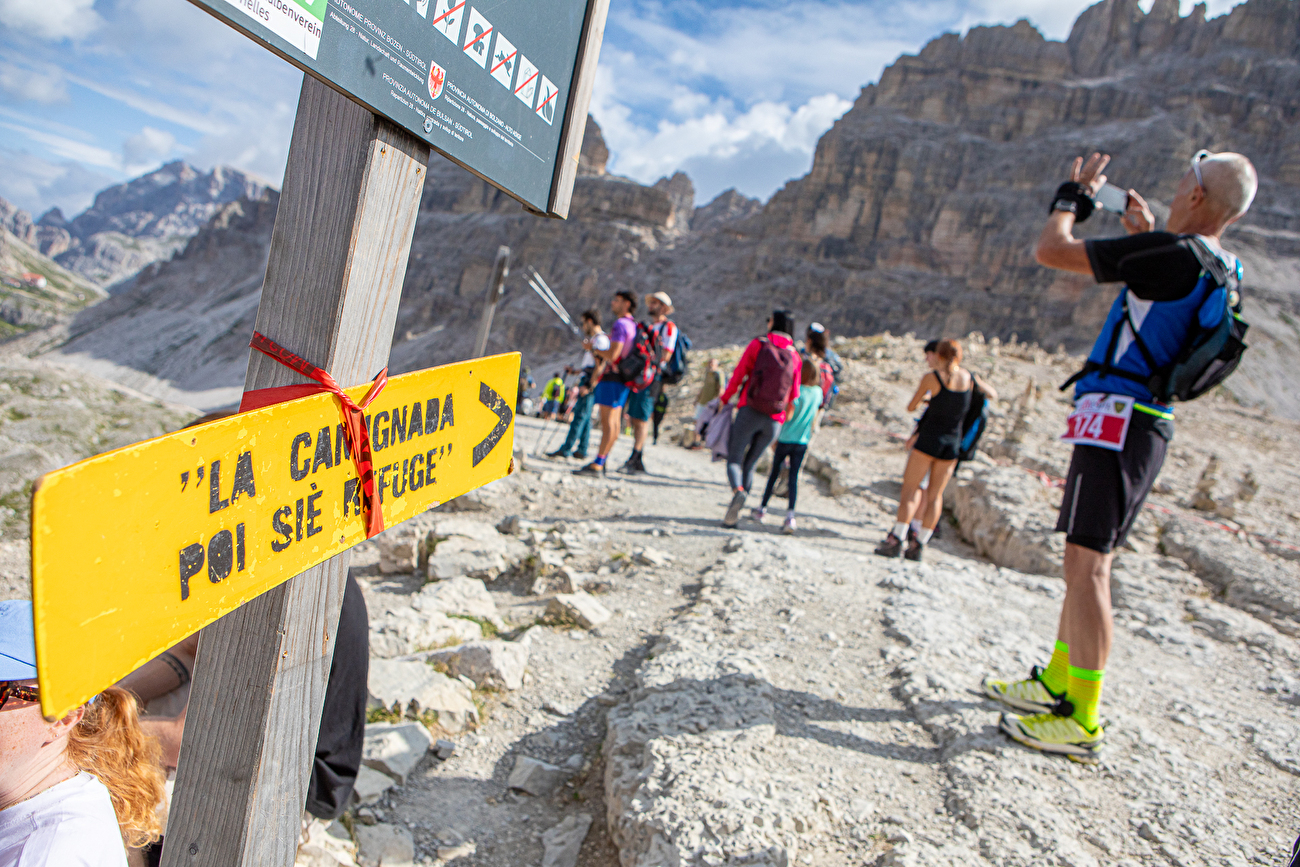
(135, 549)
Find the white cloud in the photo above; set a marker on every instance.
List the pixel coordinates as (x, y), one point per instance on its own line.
(146, 148)
(51, 19)
(33, 85)
(36, 184)
(68, 149)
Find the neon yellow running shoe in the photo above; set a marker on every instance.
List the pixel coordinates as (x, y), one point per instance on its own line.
(1030, 695)
(1055, 734)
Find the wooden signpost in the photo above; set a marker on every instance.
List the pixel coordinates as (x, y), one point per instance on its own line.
(130, 553)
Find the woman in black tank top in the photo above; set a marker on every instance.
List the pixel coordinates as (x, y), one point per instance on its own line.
(950, 388)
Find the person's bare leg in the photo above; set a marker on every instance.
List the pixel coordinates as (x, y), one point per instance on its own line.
(609, 419)
(940, 474)
(640, 430)
(1086, 615)
(918, 465)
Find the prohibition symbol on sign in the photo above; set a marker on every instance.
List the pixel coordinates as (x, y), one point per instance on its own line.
(477, 38)
(546, 104)
(446, 18)
(504, 59)
(422, 8)
(526, 83)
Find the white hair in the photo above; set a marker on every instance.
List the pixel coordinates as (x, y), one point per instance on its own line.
(1230, 182)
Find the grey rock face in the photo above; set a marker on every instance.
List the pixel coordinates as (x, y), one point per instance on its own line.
(384, 846)
(402, 682)
(536, 777)
(562, 844)
(395, 748)
(495, 664)
(1008, 516)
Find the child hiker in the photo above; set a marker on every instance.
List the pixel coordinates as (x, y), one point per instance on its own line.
(792, 443)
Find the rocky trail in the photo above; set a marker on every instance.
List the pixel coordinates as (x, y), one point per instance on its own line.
(625, 682)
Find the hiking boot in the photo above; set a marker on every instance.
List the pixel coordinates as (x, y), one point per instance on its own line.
(758, 515)
(788, 526)
(733, 510)
(633, 466)
(592, 469)
(1050, 733)
(581, 457)
(1030, 695)
(558, 453)
(891, 547)
(913, 551)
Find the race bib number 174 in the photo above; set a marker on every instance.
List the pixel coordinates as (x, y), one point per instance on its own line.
(1100, 420)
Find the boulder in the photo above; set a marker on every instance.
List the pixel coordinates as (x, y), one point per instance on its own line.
(481, 531)
(461, 555)
(561, 844)
(407, 630)
(399, 550)
(1009, 516)
(395, 748)
(536, 777)
(406, 681)
(580, 608)
(495, 664)
(326, 844)
(648, 556)
(371, 784)
(468, 597)
(385, 846)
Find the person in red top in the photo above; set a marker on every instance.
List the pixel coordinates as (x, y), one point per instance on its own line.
(767, 380)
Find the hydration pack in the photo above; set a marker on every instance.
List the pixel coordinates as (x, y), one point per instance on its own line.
(676, 367)
(1209, 354)
(637, 369)
(772, 378)
(973, 424)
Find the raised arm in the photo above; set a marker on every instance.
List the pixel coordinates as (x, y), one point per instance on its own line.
(1057, 247)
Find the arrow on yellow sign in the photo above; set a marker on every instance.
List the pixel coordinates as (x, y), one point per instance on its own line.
(135, 549)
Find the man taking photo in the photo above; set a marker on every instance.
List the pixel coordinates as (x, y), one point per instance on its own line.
(1119, 429)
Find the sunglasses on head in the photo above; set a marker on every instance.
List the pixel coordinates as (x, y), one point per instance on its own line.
(1196, 166)
(9, 689)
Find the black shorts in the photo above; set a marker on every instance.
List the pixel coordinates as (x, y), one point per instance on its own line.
(1105, 489)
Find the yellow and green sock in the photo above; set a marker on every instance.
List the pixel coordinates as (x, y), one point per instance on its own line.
(1085, 694)
(1056, 676)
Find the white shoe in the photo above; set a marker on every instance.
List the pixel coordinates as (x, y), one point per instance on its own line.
(788, 526)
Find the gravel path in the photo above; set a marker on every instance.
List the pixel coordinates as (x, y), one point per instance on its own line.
(762, 699)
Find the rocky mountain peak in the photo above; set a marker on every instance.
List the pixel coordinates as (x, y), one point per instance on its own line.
(594, 155)
(681, 192)
(727, 207)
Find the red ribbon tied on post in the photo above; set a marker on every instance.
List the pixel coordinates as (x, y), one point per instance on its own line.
(354, 419)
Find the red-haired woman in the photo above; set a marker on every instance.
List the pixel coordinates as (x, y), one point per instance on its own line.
(76, 791)
(949, 388)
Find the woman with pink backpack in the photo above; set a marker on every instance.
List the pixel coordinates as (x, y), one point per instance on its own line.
(767, 380)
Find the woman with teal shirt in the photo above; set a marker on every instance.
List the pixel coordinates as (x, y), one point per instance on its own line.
(792, 442)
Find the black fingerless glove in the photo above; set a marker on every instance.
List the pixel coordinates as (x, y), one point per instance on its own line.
(1073, 197)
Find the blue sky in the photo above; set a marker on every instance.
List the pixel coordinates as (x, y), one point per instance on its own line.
(734, 92)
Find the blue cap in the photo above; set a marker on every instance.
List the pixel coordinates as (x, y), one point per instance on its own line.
(17, 642)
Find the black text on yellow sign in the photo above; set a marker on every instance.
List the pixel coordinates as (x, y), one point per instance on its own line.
(135, 549)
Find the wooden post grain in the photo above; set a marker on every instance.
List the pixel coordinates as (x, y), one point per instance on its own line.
(333, 281)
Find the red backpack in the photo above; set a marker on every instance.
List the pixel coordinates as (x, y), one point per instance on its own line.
(637, 369)
(772, 378)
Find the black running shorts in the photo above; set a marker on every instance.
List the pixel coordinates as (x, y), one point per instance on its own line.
(1105, 489)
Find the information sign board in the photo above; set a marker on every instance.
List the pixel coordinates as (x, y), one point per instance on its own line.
(497, 86)
(135, 549)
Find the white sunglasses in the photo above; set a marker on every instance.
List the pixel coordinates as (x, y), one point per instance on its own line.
(1196, 166)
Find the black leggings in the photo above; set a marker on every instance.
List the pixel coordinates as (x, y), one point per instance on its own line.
(795, 452)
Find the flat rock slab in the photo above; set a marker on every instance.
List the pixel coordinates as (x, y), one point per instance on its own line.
(536, 777)
(385, 846)
(371, 784)
(580, 608)
(495, 664)
(395, 748)
(561, 844)
(404, 681)
(399, 550)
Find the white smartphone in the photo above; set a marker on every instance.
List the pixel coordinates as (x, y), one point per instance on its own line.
(1112, 198)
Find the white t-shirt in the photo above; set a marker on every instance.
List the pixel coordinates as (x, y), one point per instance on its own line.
(601, 342)
(667, 331)
(68, 825)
